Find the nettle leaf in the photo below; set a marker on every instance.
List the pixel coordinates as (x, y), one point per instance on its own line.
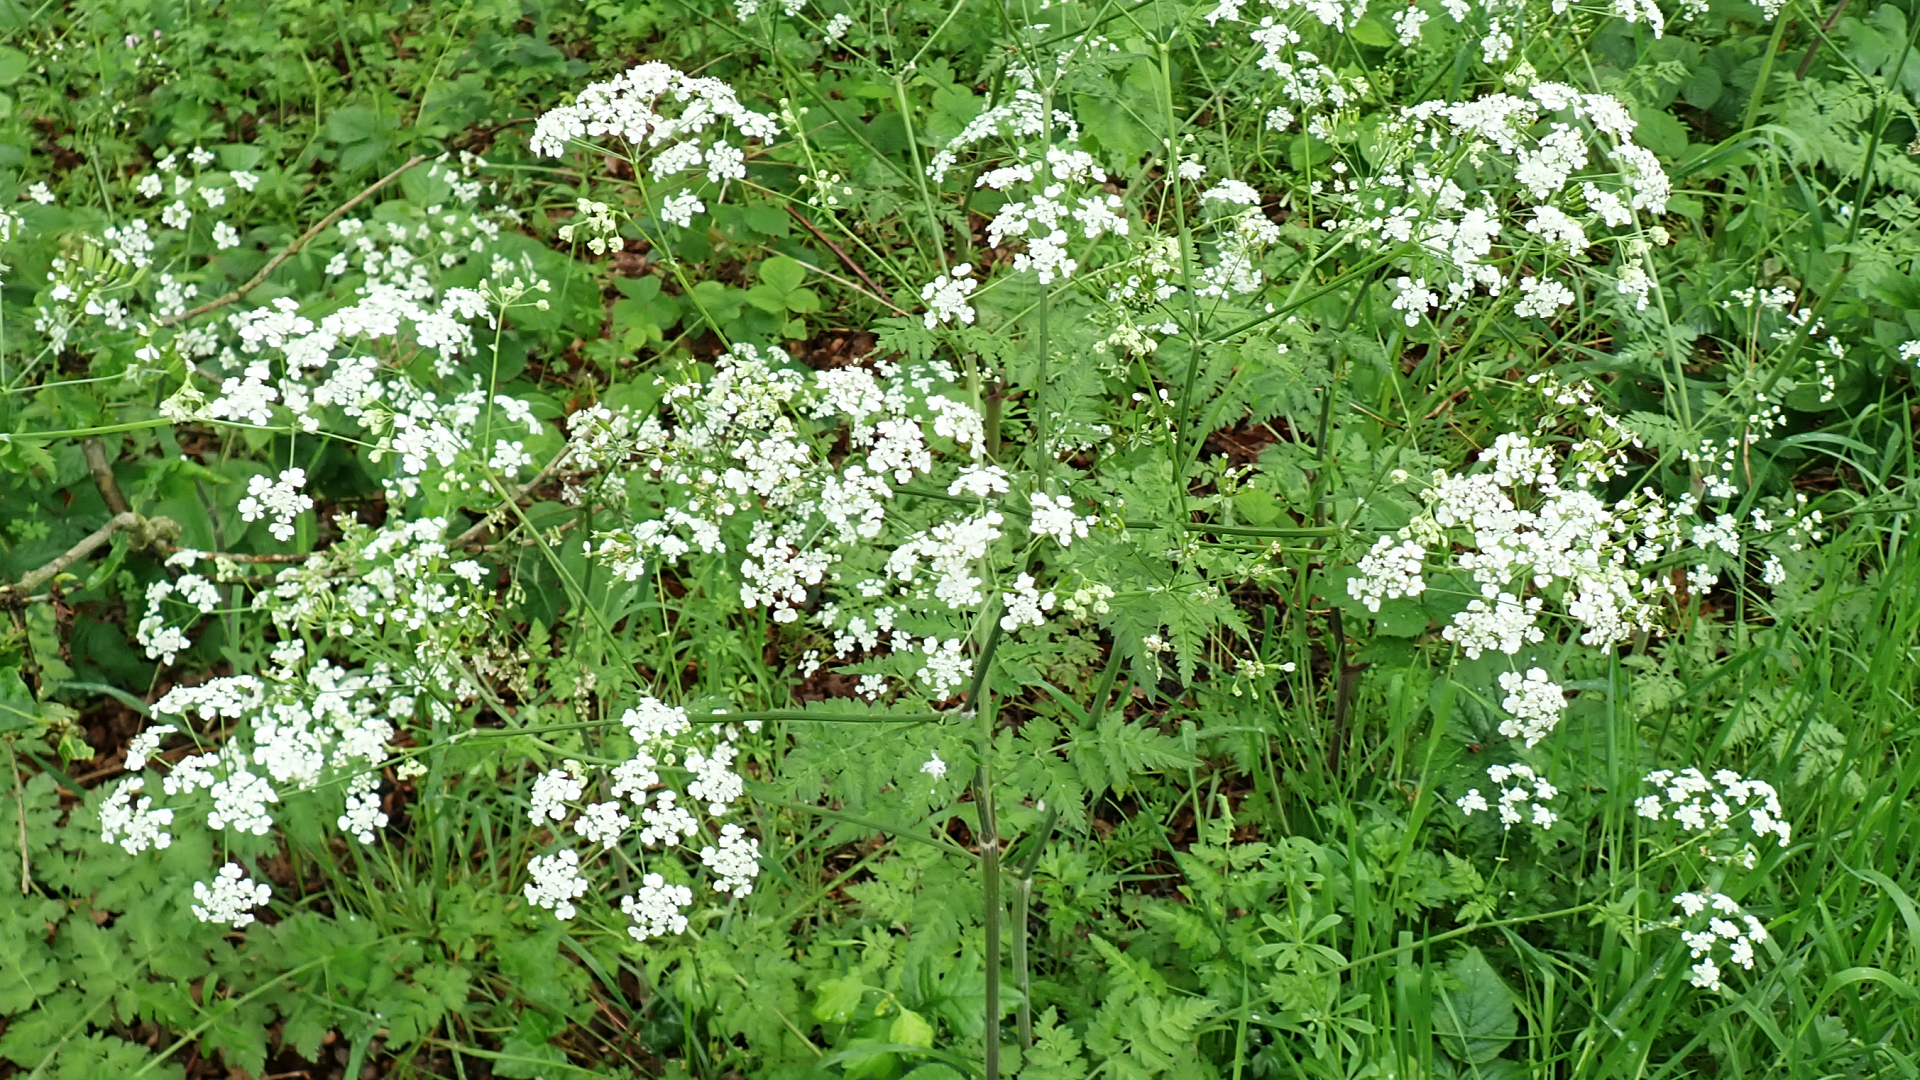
(1474, 1015)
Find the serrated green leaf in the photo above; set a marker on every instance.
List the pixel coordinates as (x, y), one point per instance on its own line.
(835, 1000)
(1474, 1016)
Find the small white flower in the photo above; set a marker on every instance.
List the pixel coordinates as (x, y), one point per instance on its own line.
(602, 823)
(1517, 799)
(946, 297)
(735, 862)
(1053, 516)
(935, 767)
(680, 208)
(143, 745)
(657, 909)
(230, 898)
(281, 501)
(1536, 703)
(1232, 192)
(556, 883)
(1025, 605)
(553, 790)
(134, 826)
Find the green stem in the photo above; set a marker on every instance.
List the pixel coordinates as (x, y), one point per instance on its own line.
(990, 868)
(1022, 898)
(979, 701)
(1766, 72)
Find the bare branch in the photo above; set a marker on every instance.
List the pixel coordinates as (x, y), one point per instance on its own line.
(148, 532)
(872, 290)
(485, 524)
(101, 467)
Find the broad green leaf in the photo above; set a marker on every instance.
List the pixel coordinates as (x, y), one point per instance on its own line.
(782, 273)
(1474, 1016)
(836, 999)
(910, 1029)
(1369, 31)
(18, 710)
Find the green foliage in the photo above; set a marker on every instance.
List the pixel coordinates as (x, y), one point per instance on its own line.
(1223, 787)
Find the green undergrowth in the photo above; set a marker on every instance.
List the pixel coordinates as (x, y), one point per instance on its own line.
(1205, 818)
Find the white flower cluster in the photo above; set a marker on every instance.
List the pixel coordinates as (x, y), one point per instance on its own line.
(1391, 570)
(1536, 702)
(1062, 183)
(417, 431)
(300, 725)
(1053, 517)
(1052, 211)
(946, 297)
(279, 500)
(1722, 931)
(1515, 796)
(800, 473)
(1026, 605)
(1024, 116)
(1242, 233)
(230, 897)
(633, 109)
(398, 257)
(1578, 172)
(735, 862)
(134, 826)
(657, 909)
(662, 735)
(626, 108)
(556, 883)
(594, 224)
(401, 575)
(1701, 805)
(161, 640)
(553, 790)
(1526, 536)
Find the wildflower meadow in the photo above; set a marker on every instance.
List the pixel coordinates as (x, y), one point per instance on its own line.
(959, 539)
